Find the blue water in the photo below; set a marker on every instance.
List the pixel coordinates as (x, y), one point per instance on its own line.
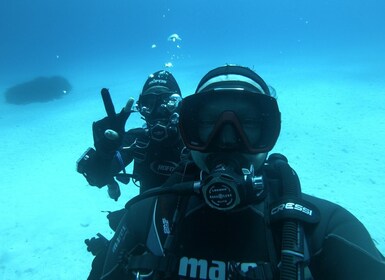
(64, 37)
(326, 60)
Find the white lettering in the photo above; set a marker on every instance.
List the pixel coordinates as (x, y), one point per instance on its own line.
(166, 168)
(291, 206)
(157, 81)
(166, 226)
(217, 272)
(193, 264)
(119, 238)
(163, 167)
(214, 270)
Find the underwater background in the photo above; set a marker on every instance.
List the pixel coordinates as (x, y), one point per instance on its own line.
(326, 60)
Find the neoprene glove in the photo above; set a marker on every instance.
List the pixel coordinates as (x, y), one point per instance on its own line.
(108, 132)
(95, 245)
(97, 170)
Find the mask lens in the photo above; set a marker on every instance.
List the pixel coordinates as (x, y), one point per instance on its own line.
(147, 104)
(253, 118)
(229, 124)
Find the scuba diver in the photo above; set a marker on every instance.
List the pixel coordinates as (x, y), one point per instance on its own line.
(231, 211)
(154, 149)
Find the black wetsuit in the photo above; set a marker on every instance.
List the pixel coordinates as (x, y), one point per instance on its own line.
(183, 238)
(153, 161)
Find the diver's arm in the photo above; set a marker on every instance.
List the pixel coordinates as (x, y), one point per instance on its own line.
(99, 170)
(97, 164)
(342, 248)
(95, 167)
(126, 153)
(341, 259)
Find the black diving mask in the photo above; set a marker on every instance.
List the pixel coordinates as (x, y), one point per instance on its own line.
(254, 117)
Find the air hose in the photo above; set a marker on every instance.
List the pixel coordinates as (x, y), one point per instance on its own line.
(184, 188)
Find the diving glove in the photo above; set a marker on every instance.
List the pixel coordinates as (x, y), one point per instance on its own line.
(96, 244)
(108, 132)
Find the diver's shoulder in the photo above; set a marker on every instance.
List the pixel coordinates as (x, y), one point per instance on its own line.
(321, 203)
(331, 213)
